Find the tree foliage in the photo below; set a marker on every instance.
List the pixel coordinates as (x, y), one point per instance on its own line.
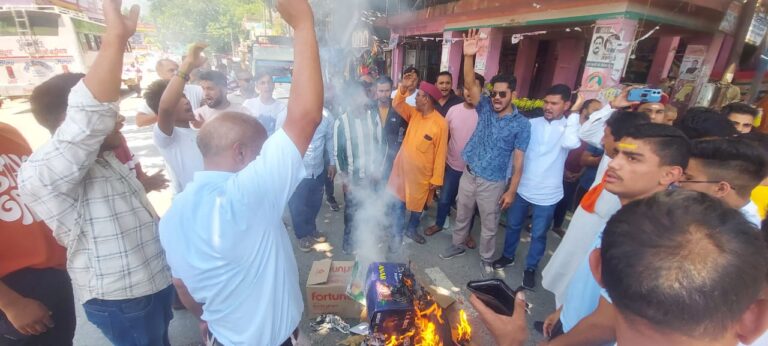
(217, 22)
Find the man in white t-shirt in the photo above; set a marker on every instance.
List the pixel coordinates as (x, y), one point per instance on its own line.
(214, 84)
(173, 136)
(166, 69)
(224, 238)
(264, 107)
(729, 169)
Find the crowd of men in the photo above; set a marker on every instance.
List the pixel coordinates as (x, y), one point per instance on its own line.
(664, 245)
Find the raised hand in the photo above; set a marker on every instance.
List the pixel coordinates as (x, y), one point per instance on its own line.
(296, 12)
(472, 42)
(409, 81)
(621, 100)
(103, 79)
(120, 26)
(194, 58)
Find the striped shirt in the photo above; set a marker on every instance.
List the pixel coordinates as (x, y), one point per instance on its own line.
(95, 206)
(358, 145)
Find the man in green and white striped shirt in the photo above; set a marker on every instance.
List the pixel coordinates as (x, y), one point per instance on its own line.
(359, 154)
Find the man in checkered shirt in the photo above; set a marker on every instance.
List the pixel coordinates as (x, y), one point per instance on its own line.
(97, 208)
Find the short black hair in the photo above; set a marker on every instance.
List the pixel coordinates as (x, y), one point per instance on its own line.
(49, 100)
(621, 121)
(561, 90)
(741, 108)
(505, 78)
(736, 160)
(480, 79)
(758, 138)
(444, 73)
(667, 142)
(683, 261)
(154, 93)
(411, 69)
(702, 122)
(384, 80)
(215, 77)
(589, 103)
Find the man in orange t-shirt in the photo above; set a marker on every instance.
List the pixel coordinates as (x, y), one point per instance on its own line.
(36, 302)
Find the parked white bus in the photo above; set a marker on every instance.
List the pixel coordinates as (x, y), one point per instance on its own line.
(38, 42)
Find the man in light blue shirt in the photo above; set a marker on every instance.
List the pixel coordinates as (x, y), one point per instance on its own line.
(223, 236)
(305, 203)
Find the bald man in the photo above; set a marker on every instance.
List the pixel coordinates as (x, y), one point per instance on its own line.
(224, 239)
(166, 69)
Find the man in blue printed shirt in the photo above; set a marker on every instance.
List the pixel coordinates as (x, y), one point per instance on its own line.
(501, 130)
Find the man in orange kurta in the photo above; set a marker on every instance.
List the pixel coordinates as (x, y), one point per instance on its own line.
(419, 166)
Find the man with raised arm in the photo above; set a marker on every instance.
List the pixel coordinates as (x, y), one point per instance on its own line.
(420, 164)
(501, 136)
(173, 134)
(97, 208)
(223, 236)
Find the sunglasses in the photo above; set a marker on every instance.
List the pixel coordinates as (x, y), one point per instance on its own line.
(501, 94)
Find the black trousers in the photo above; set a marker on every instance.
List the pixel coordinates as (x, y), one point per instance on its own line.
(52, 288)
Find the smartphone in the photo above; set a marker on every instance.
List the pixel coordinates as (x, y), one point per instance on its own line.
(644, 95)
(495, 294)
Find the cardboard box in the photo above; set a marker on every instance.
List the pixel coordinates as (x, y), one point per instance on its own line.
(326, 289)
(389, 300)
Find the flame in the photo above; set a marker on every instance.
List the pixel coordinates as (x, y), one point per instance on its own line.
(463, 329)
(427, 330)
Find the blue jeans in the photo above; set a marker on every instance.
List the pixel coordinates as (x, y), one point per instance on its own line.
(540, 223)
(398, 226)
(448, 195)
(305, 204)
(133, 322)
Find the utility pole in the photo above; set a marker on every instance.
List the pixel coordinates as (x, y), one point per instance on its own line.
(744, 22)
(724, 87)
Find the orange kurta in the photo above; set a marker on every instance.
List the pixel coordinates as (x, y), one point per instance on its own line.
(421, 159)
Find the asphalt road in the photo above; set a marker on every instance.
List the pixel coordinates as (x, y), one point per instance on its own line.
(450, 274)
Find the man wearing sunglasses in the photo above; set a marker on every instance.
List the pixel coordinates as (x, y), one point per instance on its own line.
(501, 133)
(729, 169)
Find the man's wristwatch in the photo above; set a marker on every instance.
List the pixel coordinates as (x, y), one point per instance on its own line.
(183, 75)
